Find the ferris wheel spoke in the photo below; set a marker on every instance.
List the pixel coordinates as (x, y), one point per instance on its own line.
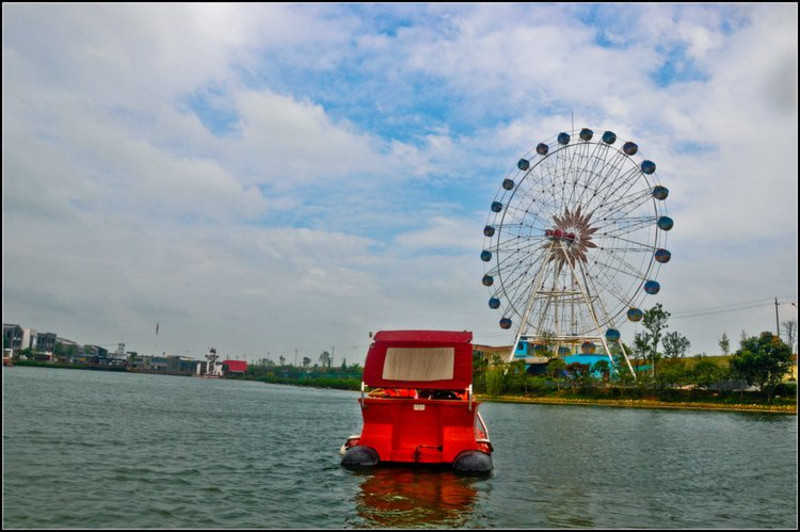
(617, 228)
(620, 186)
(616, 263)
(570, 174)
(529, 249)
(624, 203)
(621, 243)
(538, 201)
(632, 203)
(606, 307)
(634, 249)
(620, 209)
(620, 266)
(525, 219)
(600, 181)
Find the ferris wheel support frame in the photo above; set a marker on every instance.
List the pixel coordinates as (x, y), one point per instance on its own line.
(537, 286)
(597, 323)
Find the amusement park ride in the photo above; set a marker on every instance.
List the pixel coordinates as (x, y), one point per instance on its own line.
(575, 239)
(573, 244)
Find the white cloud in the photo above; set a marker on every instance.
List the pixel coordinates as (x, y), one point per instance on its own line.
(343, 197)
(292, 141)
(444, 234)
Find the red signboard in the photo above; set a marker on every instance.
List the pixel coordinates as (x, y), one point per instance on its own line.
(235, 366)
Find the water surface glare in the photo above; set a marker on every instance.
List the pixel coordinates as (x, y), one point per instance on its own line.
(86, 449)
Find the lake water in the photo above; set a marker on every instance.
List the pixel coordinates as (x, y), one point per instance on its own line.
(87, 449)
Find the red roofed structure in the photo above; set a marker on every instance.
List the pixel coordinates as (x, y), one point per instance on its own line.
(235, 366)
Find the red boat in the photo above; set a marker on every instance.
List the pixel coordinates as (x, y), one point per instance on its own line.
(417, 404)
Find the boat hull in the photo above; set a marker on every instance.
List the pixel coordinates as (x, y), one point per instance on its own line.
(419, 431)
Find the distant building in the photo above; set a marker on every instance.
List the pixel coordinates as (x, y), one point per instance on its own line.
(46, 342)
(177, 365)
(95, 350)
(12, 336)
(487, 352)
(17, 338)
(168, 365)
(29, 337)
(67, 350)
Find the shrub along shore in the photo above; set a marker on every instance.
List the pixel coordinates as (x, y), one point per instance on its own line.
(740, 404)
(627, 397)
(532, 390)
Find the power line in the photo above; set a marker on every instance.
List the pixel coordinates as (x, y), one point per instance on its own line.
(721, 309)
(709, 312)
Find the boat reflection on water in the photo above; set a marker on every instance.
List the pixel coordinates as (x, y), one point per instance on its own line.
(397, 497)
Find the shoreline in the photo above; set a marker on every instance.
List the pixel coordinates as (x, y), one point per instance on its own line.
(790, 409)
(642, 403)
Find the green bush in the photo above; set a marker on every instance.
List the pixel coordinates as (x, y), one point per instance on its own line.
(786, 389)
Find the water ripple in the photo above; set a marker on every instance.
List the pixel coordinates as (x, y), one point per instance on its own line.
(115, 450)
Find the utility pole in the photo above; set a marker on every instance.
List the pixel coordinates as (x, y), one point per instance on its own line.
(777, 321)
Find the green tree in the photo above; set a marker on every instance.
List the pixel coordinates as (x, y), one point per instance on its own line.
(555, 368)
(655, 322)
(762, 361)
(306, 362)
(517, 377)
(789, 329)
(64, 351)
(550, 342)
(641, 346)
(675, 344)
(725, 344)
(495, 380)
(603, 368)
(479, 368)
(706, 372)
(325, 359)
(672, 372)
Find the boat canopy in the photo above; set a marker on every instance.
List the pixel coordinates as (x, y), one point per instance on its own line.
(437, 360)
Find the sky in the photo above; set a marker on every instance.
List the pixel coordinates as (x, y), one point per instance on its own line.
(283, 179)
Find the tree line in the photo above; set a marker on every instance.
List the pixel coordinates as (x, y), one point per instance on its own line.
(663, 370)
(322, 374)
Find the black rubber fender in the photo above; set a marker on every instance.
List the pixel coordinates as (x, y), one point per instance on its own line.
(360, 456)
(473, 462)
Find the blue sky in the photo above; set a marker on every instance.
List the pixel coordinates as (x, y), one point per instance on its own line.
(269, 177)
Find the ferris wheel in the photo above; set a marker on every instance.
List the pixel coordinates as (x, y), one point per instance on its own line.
(574, 241)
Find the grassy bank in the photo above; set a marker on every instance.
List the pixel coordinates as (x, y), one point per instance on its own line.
(314, 382)
(607, 396)
(733, 402)
(731, 405)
